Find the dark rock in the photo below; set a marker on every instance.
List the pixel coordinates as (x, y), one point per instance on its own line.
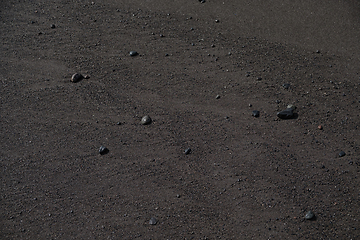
(53, 26)
(153, 221)
(286, 114)
(103, 150)
(309, 215)
(259, 78)
(146, 120)
(77, 77)
(217, 96)
(256, 113)
(286, 85)
(133, 53)
(342, 153)
(187, 151)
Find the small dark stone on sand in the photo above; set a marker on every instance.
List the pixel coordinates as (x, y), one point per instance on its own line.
(309, 215)
(286, 85)
(133, 53)
(256, 113)
(118, 123)
(286, 114)
(146, 120)
(259, 78)
(53, 26)
(153, 221)
(342, 153)
(103, 150)
(187, 151)
(77, 77)
(217, 96)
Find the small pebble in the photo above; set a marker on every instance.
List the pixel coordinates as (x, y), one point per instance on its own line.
(187, 151)
(118, 123)
(309, 215)
(291, 106)
(77, 77)
(153, 221)
(217, 21)
(146, 120)
(217, 96)
(256, 113)
(286, 85)
(53, 26)
(286, 114)
(103, 150)
(342, 153)
(133, 53)
(320, 127)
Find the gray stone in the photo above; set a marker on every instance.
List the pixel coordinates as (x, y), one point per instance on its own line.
(146, 120)
(187, 151)
(286, 114)
(256, 113)
(77, 77)
(342, 153)
(153, 221)
(133, 53)
(309, 215)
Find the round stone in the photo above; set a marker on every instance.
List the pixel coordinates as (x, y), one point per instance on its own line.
(153, 221)
(309, 215)
(133, 53)
(77, 77)
(145, 120)
(103, 150)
